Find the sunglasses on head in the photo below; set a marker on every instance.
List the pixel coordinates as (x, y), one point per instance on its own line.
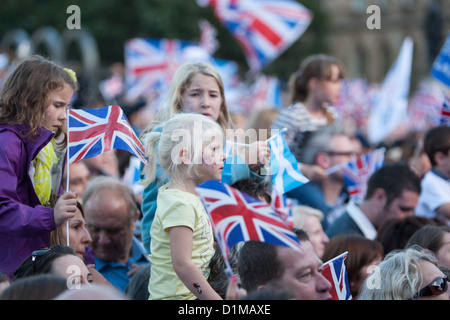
(34, 256)
(437, 287)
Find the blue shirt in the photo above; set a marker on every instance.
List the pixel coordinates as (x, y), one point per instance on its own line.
(116, 272)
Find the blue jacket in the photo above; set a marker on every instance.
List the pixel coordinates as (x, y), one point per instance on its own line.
(24, 223)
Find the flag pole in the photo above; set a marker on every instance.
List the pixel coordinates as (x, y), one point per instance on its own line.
(271, 138)
(67, 172)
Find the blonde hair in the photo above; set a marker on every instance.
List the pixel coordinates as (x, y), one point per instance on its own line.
(173, 104)
(301, 212)
(400, 275)
(185, 126)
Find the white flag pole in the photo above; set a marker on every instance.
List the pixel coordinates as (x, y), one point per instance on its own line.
(67, 167)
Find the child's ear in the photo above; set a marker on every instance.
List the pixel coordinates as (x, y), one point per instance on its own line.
(185, 156)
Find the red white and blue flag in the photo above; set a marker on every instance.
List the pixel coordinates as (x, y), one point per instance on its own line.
(335, 272)
(238, 217)
(358, 171)
(151, 63)
(95, 131)
(282, 206)
(445, 112)
(263, 28)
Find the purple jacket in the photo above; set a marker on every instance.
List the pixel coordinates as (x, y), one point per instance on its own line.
(24, 223)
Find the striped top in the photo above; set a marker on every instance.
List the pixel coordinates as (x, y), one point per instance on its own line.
(299, 122)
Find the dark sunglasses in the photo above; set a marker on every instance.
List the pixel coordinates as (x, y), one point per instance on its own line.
(34, 256)
(437, 287)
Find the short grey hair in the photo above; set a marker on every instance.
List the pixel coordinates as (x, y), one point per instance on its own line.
(113, 184)
(320, 141)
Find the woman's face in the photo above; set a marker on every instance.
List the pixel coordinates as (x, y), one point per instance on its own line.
(203, 96)
(55, 114)
(79, 236)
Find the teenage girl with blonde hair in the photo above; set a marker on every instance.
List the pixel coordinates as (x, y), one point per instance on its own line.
(197, 87)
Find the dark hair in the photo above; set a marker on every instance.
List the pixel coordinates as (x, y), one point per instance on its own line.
(38, 287)
(429, 237)
(395, 233)
(315, 66)
(43, 263)
(258, 264)
(394, 178)
(437, 139)
(254, 187)
(361, 252)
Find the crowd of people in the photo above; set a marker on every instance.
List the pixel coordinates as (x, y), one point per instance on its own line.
(105, 239)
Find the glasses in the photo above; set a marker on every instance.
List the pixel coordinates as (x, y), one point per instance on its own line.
(437, 287)
(342, 153)
(34, 256)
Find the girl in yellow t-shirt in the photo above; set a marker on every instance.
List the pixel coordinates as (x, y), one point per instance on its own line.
(190, 150)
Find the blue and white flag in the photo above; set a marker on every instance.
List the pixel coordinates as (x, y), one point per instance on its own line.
(441, 66)
(390, 109)
(286, 175)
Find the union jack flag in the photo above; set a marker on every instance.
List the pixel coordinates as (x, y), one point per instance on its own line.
(445, 112)
(263, 28)
(238, 217)
(151, 63)
(94, 131)
(282, 206)
(335, 272)
(358, 171)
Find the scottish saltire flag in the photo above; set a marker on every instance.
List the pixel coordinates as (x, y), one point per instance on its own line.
(94, 131)
(263, 28)
(445, 112)
(237, 217)
(358, 171)
(151, 63)
(285, 173)
(390, 109)
(441, 65)
(335, 272)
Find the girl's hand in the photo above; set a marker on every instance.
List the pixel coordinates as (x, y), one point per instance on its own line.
(233, 290)
(257, 155)
(65, 207)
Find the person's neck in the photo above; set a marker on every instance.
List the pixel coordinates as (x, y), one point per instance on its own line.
(367, 208)
(188, 185)
(314, 107)
(331, 190)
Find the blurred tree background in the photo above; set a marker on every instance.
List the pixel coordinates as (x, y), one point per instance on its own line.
(115, 21)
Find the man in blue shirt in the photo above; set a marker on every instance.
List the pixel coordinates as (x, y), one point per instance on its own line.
(111, 213)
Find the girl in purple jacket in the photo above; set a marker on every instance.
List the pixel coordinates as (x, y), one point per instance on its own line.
(33, 105)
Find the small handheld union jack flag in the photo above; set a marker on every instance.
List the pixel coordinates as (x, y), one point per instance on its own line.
(94, 131)
(358, 171)
(238, 217)
(445, 112)
(335, 272)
